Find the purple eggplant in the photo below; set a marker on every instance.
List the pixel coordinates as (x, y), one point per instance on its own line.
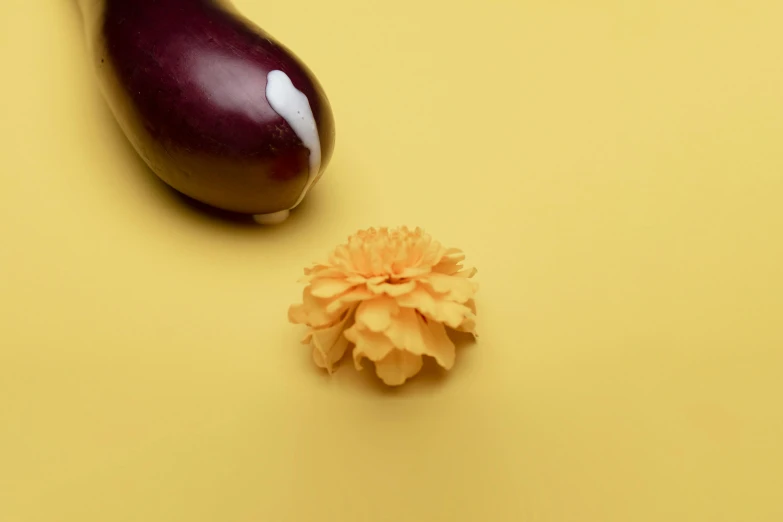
(217, 108)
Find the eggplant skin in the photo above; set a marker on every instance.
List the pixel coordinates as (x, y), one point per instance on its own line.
(186, 81)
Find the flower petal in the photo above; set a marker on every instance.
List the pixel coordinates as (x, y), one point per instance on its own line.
(405, 332)
(457, 289)
(376, 262)
(469, 322)
(329, 344)
(328, 360)
(370, 345)
(413, 271)
(468, 326)
(321, 271)
(432, 255)
(467, 273)
(441, 310)
(376, 314)
(356, 279)
(316, 267)
(328, 287)
(341, 259)
(340, 303)
(392, 289)
(311, 312)
(398, 366)
(439, 345)
(357, 256)
(451, 252)
(419, 248)
(451, 263)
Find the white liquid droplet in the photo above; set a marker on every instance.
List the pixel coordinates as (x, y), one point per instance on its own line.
(275, 218)
(294, 107)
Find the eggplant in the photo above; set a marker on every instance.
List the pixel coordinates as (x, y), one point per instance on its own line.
(215, 106)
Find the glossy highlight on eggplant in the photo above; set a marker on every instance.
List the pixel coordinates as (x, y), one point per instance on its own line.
(216, 107)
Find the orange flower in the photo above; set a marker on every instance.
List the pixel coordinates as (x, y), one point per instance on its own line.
(391, 294)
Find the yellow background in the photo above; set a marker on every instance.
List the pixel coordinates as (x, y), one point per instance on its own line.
(613, 168)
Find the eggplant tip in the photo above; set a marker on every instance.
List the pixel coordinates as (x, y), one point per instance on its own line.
(273, 218)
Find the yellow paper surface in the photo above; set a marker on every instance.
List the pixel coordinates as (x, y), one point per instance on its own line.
(614, 170)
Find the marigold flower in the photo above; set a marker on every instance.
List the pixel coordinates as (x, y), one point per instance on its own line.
(390, 294)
